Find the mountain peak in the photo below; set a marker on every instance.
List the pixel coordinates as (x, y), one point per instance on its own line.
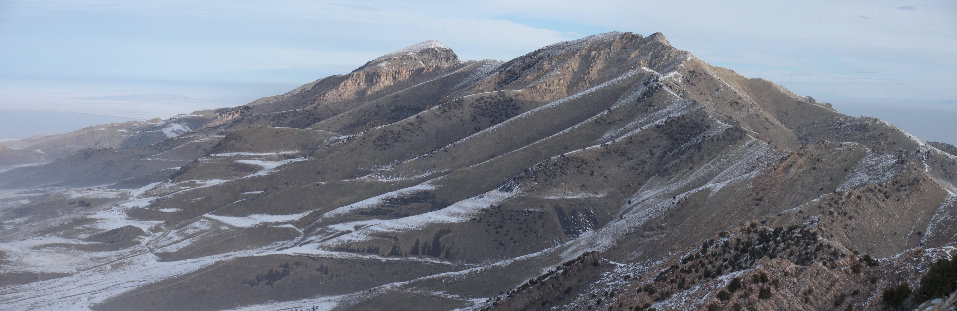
(659, 37)
(431, 44)
(423, 54)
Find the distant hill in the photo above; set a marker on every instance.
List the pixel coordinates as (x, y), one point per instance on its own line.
(19, 124)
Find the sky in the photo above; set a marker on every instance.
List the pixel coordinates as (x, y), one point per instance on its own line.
(98, 61)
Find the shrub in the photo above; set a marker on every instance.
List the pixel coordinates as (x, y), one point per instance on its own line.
(894, 296)
(857, 267)
(724, 295)
(765, 293)
(734, 285)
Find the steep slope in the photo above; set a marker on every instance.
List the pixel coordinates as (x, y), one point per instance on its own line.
(614, 171)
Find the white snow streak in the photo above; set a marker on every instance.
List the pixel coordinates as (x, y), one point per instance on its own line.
(872, 169)
(254, 154)
(455, 213)
(255, 219)
(941, 216)
(377, 200)
(267, 166)
(175, 129)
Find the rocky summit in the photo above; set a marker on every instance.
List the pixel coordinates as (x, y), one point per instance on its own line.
(611, 172)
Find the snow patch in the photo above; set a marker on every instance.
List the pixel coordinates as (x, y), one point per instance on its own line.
(255, 154)
(458, 212)
(872, 169)
(178, 239)
(580, 195)
(116, 218)
(256, 219)
(480, 74)
(94, 192)
(324, 303)
(379, 199)
(942, 216)
(137, 198)
(204, 183)
(734, 89)
(30, 255)
(175, 129)
(686, 298)
(656, 118)
(618, 279)
(268, 166)
(101, 282)
(431, 44)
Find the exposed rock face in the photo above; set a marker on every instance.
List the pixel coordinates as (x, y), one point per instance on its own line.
(611, 172)
(335, 95)
(571, 67)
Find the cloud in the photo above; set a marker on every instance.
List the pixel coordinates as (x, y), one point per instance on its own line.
(907, 8)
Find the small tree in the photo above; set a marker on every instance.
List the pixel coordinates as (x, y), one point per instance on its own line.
(894, 296)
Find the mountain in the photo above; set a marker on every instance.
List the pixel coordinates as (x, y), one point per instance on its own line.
(610, 172)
